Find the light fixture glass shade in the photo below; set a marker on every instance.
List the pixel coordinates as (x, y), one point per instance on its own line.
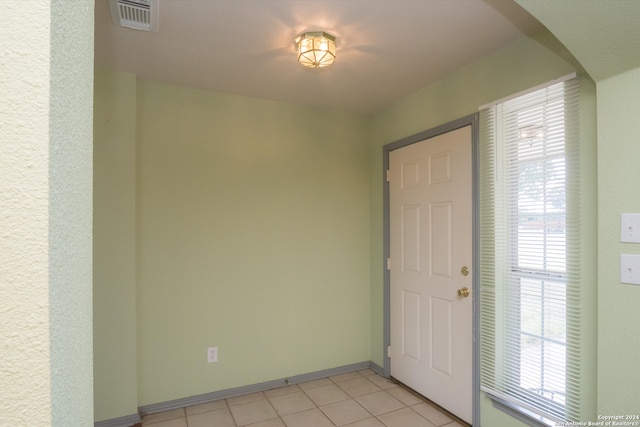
(316, 49)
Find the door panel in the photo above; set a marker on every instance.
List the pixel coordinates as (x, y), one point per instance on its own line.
(410, 240)
(441, 346)
(411, 325)
(430, 210)
(440, 245)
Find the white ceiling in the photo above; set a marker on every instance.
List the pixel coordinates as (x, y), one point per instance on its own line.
(386, 49)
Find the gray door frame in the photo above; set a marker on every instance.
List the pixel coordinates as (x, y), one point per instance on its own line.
(470, 120)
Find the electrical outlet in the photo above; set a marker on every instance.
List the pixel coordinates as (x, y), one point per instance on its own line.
(212, 354)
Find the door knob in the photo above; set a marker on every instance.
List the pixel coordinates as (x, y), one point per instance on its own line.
(463, 292)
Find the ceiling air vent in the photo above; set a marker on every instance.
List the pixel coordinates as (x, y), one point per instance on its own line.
(135, 14)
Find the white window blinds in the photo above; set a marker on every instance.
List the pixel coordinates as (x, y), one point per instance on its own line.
(530, 252)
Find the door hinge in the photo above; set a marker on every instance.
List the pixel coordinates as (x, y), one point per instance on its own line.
(388, 351)
(388, 263)
(388, 175)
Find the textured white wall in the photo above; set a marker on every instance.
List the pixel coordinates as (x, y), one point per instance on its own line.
(24, 266)
(45, 213)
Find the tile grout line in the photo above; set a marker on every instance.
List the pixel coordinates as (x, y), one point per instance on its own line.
(354, 376)
(353, 398)
(226, 402)
(318, 406)
(274, 409)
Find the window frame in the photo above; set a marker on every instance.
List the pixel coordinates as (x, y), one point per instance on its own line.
(497, 381)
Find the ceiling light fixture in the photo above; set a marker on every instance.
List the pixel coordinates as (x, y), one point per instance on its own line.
(316, 49)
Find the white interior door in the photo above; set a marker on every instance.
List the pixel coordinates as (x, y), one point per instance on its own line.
(430, 207)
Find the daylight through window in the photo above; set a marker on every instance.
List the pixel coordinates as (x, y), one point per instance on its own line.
(529, 214)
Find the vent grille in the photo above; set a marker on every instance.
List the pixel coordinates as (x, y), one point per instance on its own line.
(135, 14)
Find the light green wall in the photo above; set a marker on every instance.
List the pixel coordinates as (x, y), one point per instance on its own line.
(252, 235)
(604, 37)
(70, 212)
(618, 192)
(114, 275)
(257, 275)
(516, 67)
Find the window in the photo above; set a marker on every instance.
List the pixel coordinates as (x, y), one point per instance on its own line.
(530, 252)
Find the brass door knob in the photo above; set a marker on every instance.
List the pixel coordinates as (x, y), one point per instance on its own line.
(463, 292)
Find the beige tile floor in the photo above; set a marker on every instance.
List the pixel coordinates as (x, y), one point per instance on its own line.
(355, 399)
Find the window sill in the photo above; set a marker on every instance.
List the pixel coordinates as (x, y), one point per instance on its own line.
(520, 413)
